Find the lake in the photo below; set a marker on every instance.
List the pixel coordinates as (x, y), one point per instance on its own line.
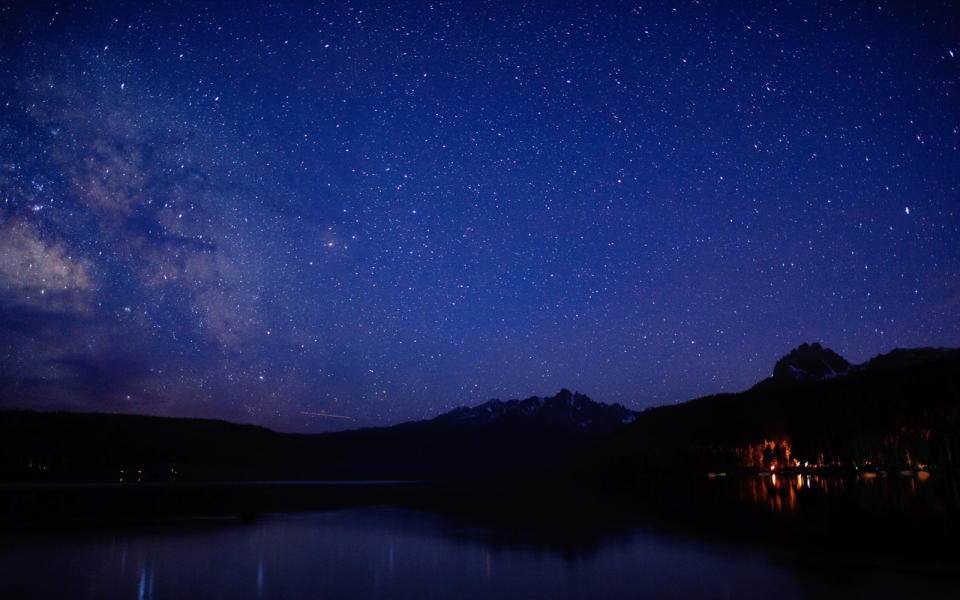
(388, 552)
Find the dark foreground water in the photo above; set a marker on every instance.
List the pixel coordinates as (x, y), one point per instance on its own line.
(394, 553)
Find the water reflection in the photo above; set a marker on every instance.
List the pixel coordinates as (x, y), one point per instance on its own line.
(387, 553)
(905, 492)
(781, 492)
(145, 588)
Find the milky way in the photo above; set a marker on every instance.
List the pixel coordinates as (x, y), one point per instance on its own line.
(316, 217)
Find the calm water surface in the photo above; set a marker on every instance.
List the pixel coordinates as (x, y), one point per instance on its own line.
(394, 553)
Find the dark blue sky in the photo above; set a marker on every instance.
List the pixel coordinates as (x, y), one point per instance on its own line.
(274, 213)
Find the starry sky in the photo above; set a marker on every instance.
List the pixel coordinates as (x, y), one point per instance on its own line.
(321, 216)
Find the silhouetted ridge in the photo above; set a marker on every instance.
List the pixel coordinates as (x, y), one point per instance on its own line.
(898, 412)
(564, 409)
(906, 357)
(810, 362)
(900, 409)
(491, 439)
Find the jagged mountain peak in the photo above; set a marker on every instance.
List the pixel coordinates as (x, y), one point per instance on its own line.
(564, 408)
(810, 362)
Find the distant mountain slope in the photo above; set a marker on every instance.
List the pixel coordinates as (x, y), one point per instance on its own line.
(811, 361)
(493, 438)
(98, 447)
(900, 409)
(486, 440)
(906, 357)
(564, 409)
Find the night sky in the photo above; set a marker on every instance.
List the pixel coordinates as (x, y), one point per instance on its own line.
(313, 218)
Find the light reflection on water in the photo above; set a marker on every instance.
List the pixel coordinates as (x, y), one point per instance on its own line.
(779, 492)
(393, 553)
(906, 492)
(145, 588)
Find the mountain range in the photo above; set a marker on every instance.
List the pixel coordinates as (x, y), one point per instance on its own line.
(467, 442)
(898, 408)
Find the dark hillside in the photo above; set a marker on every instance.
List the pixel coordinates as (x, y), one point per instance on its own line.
(895, 412)
(489, 440)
